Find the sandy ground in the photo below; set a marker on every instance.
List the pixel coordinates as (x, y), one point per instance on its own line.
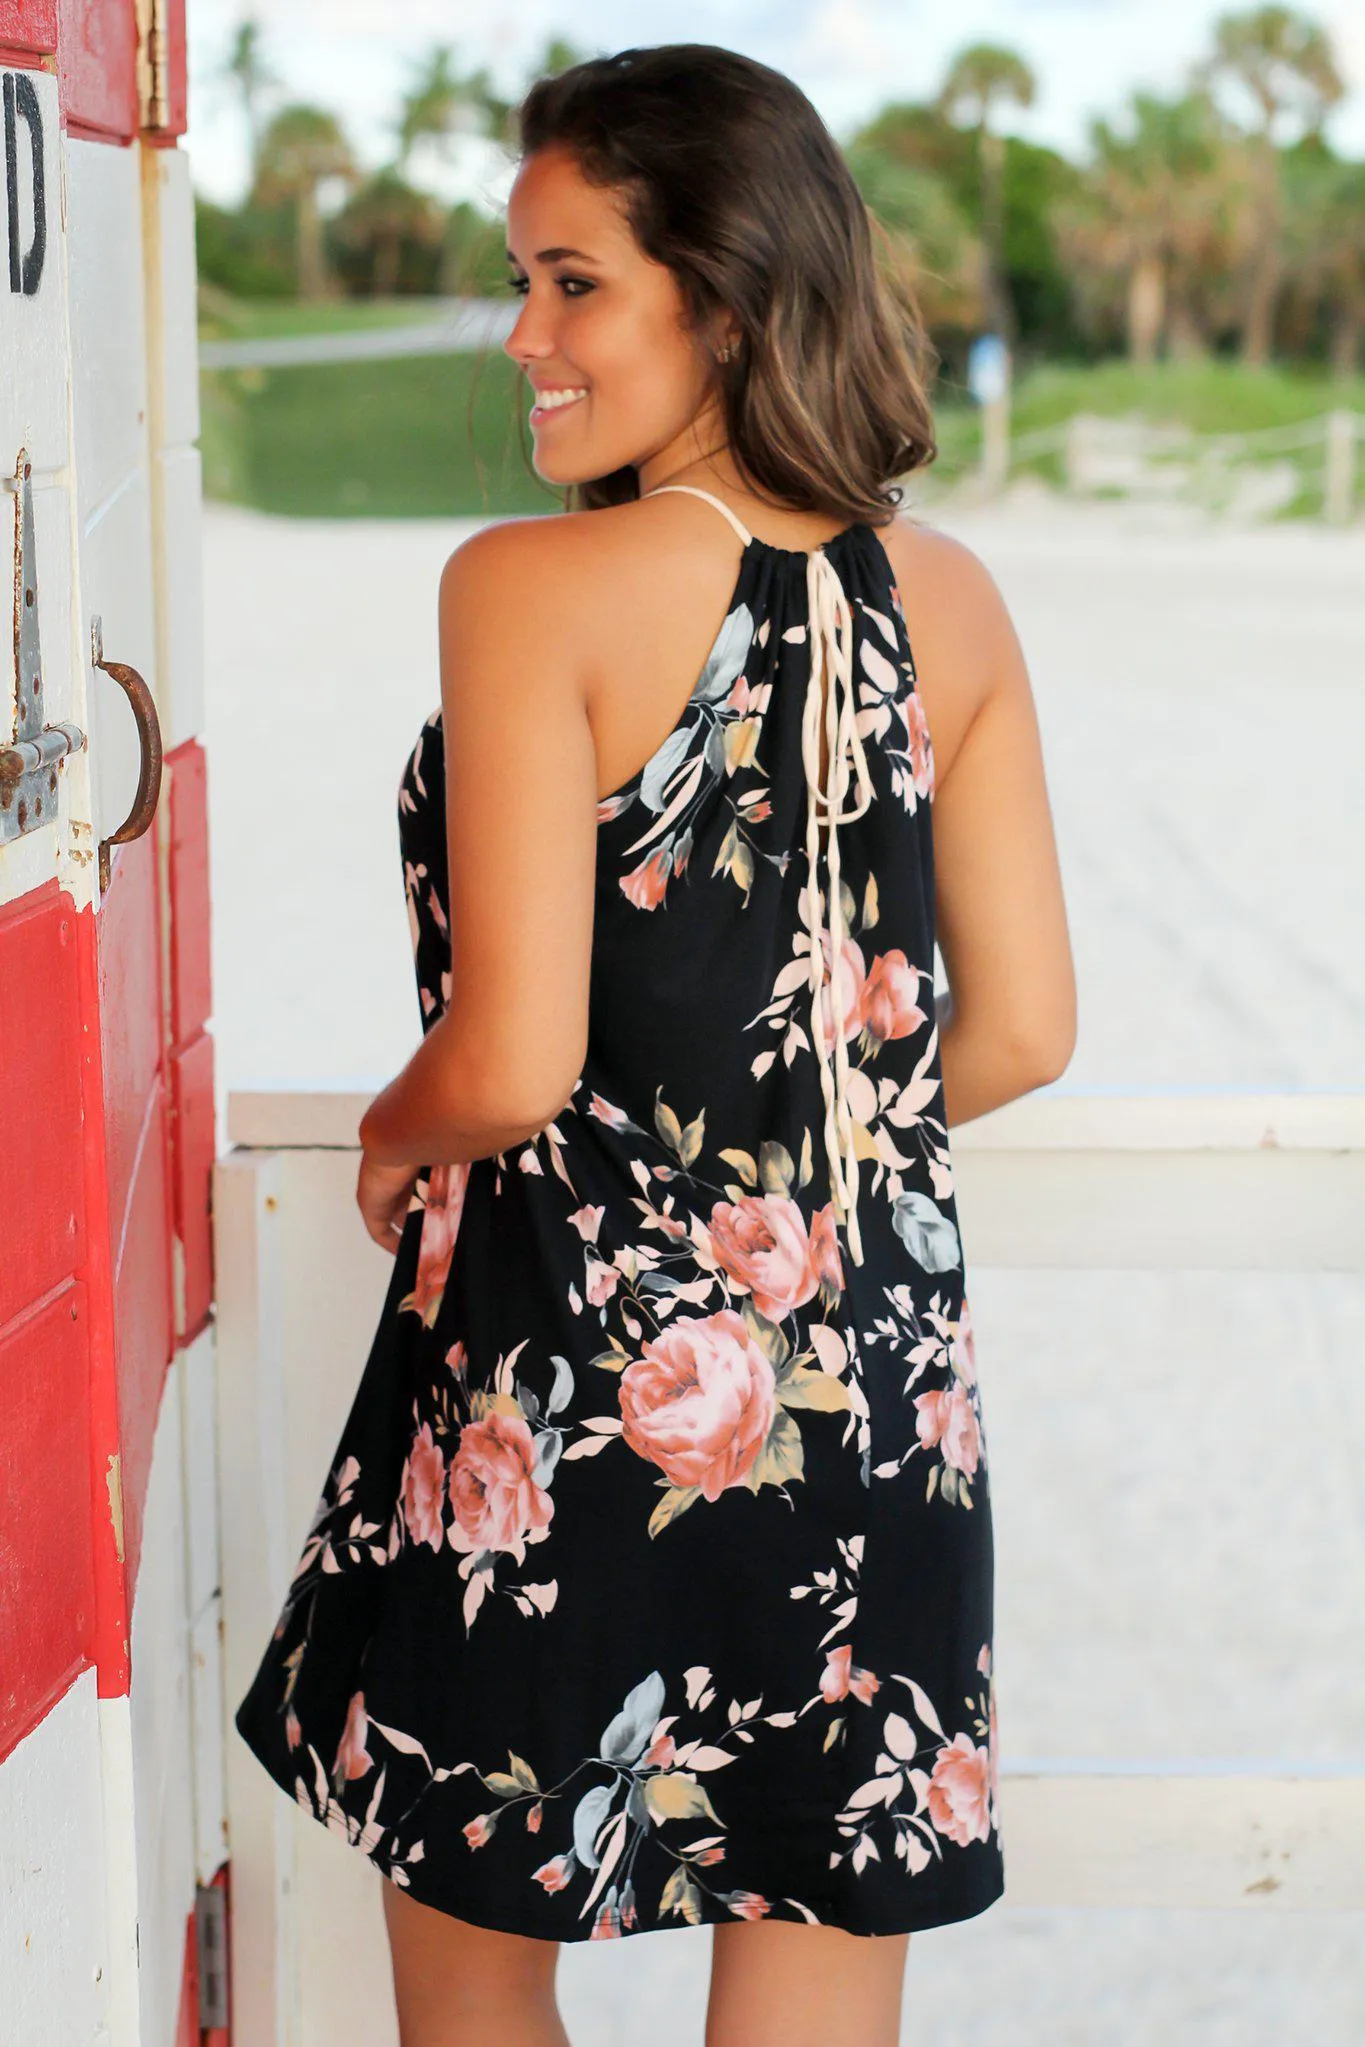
(1176, 1457)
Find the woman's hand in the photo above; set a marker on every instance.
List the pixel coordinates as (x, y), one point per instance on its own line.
(382, 1195)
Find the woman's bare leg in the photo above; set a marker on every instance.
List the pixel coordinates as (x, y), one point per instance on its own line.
(777, 1984)
(458, 1985)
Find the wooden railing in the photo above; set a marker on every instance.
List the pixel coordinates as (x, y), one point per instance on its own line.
(1064, 1180)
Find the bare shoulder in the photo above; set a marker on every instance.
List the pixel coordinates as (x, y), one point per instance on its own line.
(941, 576)
(539, 579)
(961, 635)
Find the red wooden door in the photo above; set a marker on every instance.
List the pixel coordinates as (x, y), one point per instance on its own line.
(106, 1064)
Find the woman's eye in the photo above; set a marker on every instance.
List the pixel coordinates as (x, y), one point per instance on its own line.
(573, 287)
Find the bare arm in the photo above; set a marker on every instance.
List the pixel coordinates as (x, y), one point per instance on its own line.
(521, 820)
(1008, 1022)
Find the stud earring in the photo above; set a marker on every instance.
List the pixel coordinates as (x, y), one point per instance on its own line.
(728, 353)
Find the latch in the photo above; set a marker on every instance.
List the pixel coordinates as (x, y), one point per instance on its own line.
(29, 764)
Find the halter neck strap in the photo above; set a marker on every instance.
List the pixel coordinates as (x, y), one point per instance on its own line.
(692, 492)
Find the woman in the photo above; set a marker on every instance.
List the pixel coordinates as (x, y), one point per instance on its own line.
(651, 1583)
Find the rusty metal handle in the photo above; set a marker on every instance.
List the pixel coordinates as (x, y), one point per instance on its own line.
(149, 742)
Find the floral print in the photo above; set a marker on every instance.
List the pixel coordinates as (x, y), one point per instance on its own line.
(651, 1580)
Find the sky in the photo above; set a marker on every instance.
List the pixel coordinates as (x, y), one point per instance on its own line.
(849, 56)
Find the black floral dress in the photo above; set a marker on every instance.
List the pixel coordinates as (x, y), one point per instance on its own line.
(651, 1581)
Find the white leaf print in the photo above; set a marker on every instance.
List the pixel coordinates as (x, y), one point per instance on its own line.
(627, 1734)
(925, 1709)
(914, 1097)
(589, 1813)
(899, 1737)
(879, 670)
(880, 619)
(708, 1758)
(548, 1449)
(562, 1391)
(661, 766)
(916, 1854)
(406, 1744)
(586, 1446)
(927, 1233)
(611, 1851)
(696, 1677)
(677, 802)
(726, 662)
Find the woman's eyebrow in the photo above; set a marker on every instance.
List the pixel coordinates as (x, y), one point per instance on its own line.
(557, 256)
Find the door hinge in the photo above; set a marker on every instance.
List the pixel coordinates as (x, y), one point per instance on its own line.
(153, 63)
(210, 1940)
(29, 763)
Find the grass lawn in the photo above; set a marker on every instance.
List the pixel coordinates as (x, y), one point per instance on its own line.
(424, 436)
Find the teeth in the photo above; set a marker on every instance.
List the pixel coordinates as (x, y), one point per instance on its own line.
(548, 400)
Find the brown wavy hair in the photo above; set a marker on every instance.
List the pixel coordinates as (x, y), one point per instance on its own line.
(729, 177)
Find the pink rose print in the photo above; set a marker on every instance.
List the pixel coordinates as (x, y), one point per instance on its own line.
(440, 1223)
(700, 1402)
(842, 1676)
(959, 1791)
(964, 1347)
(825, 1262)
(890, 1009)
(849, 980)
(479, 1831)
(353, 1759)
(423, 1485)
(949, 1419)
(607, 1924)
(498, 1505)
(918, 742)
(749, 1905)
(762, 1243)
(646, 885)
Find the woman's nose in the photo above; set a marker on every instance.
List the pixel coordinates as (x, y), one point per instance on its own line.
(530, 337)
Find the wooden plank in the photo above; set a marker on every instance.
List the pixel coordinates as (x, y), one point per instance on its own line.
(47, 1585)
(42, 1196)
(259, 1545)
(53, 1929)
(1175, 1842)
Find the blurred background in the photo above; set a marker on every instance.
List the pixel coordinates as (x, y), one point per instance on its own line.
(1159, 211)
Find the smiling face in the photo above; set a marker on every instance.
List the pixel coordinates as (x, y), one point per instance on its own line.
(618, 379)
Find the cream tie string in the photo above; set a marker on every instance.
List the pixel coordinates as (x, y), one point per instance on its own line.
(831, 655)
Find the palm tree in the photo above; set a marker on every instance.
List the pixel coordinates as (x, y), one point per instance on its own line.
(302, 146)
(980, 79)
(440, 101)
(1325, 248)
(1285, 63)
(246, 69)
(383, 214)
(1159, 211)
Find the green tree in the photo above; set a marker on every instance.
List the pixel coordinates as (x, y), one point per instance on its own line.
(980, 80)
(1325, 248)
(1161, 207)
(925, 223)
(384, 217)
(1285, 64)
(247, 70)
(302, 146)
